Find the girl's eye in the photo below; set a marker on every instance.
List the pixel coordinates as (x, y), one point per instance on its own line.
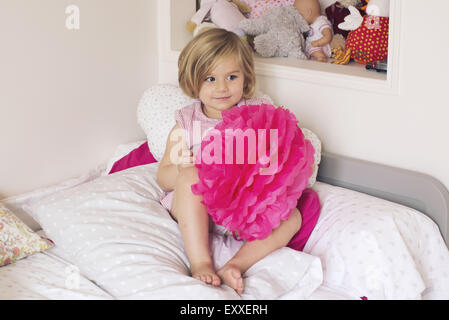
(232, 77)
(210, 79)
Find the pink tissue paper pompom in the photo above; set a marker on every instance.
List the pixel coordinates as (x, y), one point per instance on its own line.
(250, 187)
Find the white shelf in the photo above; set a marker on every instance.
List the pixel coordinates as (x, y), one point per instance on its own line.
(173, 37)
(352, 69)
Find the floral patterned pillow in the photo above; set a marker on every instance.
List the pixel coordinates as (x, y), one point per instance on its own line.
(17, 240)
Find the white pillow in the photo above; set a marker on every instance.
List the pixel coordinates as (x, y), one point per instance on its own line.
(156, 116)
(118, 234)
(373, 248)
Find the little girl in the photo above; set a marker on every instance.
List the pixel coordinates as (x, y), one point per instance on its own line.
(217, 68)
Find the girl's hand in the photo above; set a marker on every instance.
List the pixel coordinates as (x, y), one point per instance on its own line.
(187, 160)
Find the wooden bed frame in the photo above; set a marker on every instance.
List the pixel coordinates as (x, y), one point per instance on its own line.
(416, 190)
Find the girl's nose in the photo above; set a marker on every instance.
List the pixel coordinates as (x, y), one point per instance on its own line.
(222, 85)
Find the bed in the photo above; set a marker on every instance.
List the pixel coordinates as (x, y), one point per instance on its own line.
(382, 234)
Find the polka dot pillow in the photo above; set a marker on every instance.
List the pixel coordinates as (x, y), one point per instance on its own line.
(156, 114)
(17, 240)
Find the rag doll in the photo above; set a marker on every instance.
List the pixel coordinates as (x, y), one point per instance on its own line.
(278, 32)
(320, 35)
(224, 14)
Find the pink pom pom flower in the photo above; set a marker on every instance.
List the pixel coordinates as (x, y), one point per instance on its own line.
(253, 167)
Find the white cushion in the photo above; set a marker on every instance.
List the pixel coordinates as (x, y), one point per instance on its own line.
(156, 114)
(373, 248)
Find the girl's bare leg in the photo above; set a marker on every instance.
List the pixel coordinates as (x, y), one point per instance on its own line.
(193, 222)
(253, 251)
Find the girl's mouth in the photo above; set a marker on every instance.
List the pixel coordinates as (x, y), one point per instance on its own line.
(222, 98)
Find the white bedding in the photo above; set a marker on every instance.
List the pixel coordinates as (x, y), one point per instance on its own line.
(377, 249)
(120, 238)
(117, 233)
(45, 275)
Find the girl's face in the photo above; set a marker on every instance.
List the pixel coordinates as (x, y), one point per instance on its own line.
(222, 88)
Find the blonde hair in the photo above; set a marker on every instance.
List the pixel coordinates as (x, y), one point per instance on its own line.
(203, 52)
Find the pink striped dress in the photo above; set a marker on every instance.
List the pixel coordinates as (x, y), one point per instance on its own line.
(186, 118)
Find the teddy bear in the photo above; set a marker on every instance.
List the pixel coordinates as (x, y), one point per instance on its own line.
(278, 32)
(367, 40)
(225, 14)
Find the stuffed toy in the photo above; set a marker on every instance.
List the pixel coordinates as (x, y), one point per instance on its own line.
(367, 40)
(203, 26)
(258, 7)
(337, 12)
(320, 35)
(278, 32)
(224, 14)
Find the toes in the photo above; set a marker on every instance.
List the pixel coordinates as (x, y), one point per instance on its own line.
(216, 281)
(209, 279)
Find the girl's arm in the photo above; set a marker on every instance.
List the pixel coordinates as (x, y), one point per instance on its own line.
(173, 158)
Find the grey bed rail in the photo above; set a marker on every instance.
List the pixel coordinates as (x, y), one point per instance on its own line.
(413, 189)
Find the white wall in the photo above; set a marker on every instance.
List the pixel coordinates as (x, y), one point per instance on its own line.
(409, 130)
(68, 98)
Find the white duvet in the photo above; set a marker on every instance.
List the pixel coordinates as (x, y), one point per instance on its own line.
(120, 237)
(46, 276)
(115, 231)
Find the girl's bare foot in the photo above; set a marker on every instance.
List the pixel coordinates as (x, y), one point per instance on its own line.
(232, 276)
(205, 272)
